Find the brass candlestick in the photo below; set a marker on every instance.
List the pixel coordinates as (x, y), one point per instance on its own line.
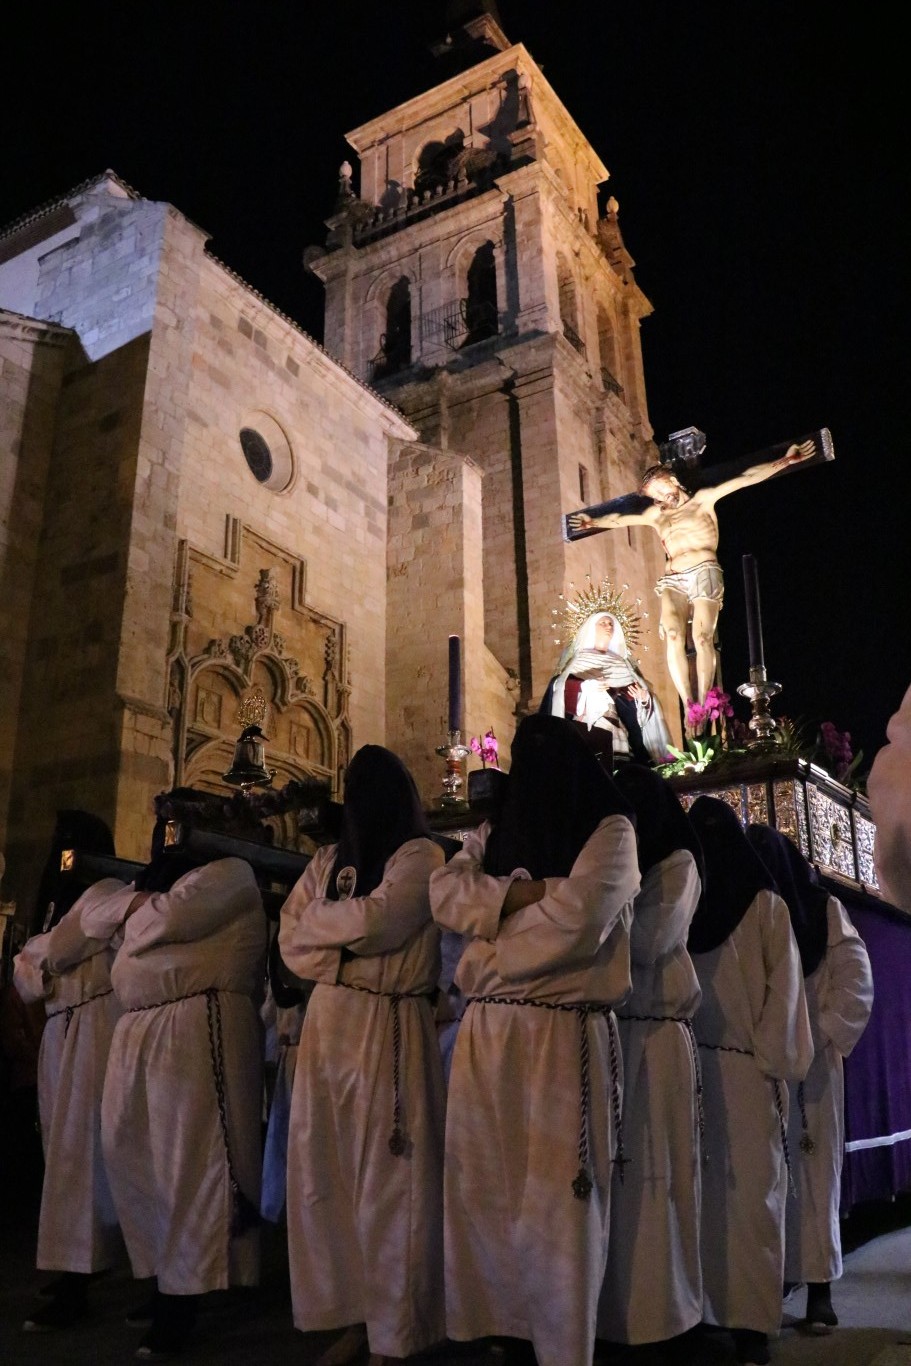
(763, 725)
(454, 752)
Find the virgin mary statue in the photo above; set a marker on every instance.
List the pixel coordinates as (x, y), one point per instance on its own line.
(598, 684)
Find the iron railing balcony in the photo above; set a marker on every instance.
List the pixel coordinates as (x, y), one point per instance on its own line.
(460, 323)
(572, 336)
(612, 385)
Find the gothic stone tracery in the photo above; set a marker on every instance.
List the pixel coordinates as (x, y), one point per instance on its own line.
(219, 656)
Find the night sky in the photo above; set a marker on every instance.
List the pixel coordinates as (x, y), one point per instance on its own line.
(754, 151)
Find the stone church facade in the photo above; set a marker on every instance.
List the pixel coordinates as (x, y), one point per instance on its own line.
(197, 500)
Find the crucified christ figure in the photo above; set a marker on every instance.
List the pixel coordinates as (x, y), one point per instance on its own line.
(692, 585)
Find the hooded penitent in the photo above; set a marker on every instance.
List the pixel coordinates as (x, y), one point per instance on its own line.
(662, 825)
(555, 796)
(381, 812)
(734, 874)
(58, 891)
(797, 882)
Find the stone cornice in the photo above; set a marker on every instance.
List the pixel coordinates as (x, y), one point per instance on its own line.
(477, 212)
(442, 455)
(138, 706)
(94, 183)
(477, 79)
(22, 328)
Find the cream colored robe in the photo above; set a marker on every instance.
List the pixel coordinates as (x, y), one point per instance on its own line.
(163, 1139)
(524, 1257)
(77, 1227)
(752, 1026)
(365, 1237)
(839, 999)
(653, 1286)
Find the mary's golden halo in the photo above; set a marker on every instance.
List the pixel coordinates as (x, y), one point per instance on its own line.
(600, 597)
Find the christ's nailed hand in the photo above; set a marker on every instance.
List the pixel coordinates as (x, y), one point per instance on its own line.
(795, 454)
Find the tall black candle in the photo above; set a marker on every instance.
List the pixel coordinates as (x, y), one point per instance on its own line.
(754, 617)
(455, 683)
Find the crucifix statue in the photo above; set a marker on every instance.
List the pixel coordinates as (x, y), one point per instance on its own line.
(677, 500)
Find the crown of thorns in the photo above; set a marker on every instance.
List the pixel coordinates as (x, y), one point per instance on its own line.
(601, 597)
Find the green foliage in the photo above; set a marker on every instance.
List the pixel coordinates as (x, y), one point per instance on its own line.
(793, 738)
(694, 759)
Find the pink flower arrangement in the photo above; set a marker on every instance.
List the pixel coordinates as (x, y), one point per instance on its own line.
(700, 715)
(836, 745)
(487, 749)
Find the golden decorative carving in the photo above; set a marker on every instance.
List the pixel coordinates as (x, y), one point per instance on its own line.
(757, 804)
(785, 797)
(252, 710)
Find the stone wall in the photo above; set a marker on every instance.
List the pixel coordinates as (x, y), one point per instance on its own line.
(33, 357)
(436, 589)
(104, 282)
(68, 736)
(222, 359)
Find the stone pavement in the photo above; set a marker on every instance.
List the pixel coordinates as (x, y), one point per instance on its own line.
(246, 1328)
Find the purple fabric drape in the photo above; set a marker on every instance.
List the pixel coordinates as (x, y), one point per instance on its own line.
(878, 1072)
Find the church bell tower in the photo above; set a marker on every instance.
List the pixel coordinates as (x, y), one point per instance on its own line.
(474, 281)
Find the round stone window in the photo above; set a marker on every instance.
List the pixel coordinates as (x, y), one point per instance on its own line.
(267, 451)
(256, 453)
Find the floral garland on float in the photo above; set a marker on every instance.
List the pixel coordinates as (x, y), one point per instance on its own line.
(720, 741)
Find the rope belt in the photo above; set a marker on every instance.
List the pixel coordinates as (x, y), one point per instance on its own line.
(69, 1011)
(582, 1183)
(779, 1105)
(397, 1141)
(697, 1066)
(807, 1144)
(190, 996)
(244, 1214)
